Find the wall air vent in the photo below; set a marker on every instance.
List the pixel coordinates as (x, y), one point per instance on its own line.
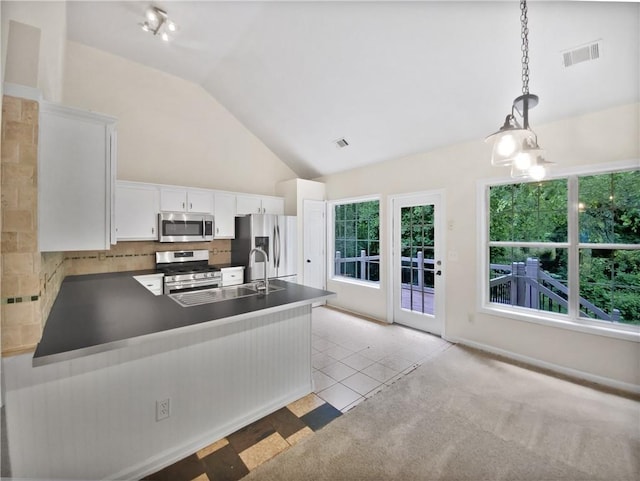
(341, 143)
(583, 53)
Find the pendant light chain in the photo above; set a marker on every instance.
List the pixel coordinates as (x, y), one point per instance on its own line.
(525, 46)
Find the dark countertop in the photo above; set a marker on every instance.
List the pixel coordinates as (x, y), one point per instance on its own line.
(97, 312)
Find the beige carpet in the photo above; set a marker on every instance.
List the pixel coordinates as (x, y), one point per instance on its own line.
(465, 415)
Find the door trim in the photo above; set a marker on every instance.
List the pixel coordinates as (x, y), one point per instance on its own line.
(443, 222)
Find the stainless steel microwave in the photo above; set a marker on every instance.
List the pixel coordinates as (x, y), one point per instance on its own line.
(185, 227)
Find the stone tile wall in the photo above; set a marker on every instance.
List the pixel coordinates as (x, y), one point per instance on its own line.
(21, 321)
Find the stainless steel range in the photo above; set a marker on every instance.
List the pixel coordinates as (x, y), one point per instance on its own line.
(187, 271)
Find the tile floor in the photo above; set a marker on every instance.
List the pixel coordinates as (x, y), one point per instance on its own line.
(353, 359)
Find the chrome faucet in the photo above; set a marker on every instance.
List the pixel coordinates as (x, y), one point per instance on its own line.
(266, 261)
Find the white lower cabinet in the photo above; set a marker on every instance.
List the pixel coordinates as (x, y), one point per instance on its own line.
(232, 276)
(152, 282)
(137, 208)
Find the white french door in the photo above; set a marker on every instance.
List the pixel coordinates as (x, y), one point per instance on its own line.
(417, 261)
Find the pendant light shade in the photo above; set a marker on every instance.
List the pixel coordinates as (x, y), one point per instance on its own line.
(515, 145)
(507, 143)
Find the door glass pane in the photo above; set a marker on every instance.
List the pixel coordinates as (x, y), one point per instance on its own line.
(417, 265)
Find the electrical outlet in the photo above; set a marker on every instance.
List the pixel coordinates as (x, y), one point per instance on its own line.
(163, 409)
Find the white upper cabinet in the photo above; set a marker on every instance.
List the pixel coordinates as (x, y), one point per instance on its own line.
(248, 204)
(76, 176)
(224, 210)
(138, 205)
(136, 211)
(256, 204)
(272, 205)
(176, 199)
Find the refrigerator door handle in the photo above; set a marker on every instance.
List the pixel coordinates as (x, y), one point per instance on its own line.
(275, 247)
(279, 246)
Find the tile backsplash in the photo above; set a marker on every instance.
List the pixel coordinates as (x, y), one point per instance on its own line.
(140, 255)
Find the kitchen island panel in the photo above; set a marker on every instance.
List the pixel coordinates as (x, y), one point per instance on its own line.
(93, 417)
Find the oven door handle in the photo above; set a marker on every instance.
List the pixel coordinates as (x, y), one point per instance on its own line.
(204, 231)
(182, 285)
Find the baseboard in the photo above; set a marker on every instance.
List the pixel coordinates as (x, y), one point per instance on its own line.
(356, 314)
(191, 446)
(565, 371)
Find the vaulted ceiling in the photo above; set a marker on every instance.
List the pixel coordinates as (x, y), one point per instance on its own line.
(392, 78)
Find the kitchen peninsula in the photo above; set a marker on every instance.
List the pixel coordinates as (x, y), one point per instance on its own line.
(99, 312)
(112, 352)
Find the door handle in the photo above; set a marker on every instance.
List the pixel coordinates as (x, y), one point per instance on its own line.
(279, 246)
(309, 261)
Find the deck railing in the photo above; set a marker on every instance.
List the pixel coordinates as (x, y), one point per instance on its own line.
(362, 265)
(526, 284)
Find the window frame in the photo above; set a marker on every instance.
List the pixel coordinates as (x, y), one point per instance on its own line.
(571, 320)
(331, 239)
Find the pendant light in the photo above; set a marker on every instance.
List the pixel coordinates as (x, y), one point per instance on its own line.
(515, 145)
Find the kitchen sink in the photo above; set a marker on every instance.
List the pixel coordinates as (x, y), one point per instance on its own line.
(219, 294)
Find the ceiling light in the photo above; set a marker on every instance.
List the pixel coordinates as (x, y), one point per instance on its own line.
(515, 144)
(157, 22)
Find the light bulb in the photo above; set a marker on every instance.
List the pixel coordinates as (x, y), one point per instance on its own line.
(506, 145)
(165, 36)
(537, 172)
(151, 15)
(522, 161)
(171, 26)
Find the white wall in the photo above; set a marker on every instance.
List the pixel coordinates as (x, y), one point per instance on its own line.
(169, 130)
(51, 19)
(596, 138)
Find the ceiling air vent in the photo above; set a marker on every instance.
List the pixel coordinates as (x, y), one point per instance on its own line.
(341, 143)
(584, 53)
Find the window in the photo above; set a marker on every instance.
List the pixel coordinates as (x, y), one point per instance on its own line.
(356, 236)
(567, 246)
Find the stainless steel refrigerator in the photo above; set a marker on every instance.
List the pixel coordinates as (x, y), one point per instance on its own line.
(274, 234)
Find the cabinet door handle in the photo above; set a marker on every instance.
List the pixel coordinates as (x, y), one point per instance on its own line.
(190, 206)
(153, 230)
(183, 205)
